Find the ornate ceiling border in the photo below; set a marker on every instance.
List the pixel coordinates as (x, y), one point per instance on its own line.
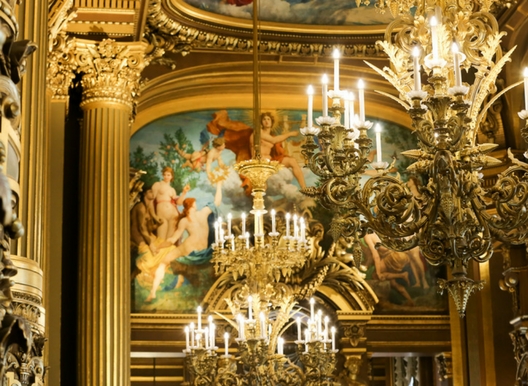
(181, 9)
(170, 29)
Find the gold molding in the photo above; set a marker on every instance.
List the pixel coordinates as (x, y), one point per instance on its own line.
(183, 9)
(177, 32)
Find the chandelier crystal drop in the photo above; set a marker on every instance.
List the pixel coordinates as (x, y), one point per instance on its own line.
(450, 218)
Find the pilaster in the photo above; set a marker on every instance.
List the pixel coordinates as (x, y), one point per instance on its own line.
(110, 83)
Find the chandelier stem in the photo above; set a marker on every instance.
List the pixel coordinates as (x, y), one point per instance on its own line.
(256, 95)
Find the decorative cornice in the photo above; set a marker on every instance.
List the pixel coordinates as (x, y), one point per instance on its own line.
(111, 70)
(174, 36)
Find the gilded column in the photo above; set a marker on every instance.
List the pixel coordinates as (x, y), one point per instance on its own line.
(33, 22)
(110, 82)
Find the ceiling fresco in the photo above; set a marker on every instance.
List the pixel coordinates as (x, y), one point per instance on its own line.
(313, 12)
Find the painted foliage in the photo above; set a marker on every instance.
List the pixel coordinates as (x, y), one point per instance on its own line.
(189, 181)
(318, 12)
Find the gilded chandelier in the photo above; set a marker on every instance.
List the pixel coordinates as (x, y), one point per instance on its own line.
(267, 270)
(449, 219)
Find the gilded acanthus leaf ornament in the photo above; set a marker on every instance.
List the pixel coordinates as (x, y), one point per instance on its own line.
(61, 64)
(111, 70)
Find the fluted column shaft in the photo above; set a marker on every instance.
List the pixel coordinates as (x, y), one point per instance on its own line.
(110, 82)
(104, 243)
(33, 207)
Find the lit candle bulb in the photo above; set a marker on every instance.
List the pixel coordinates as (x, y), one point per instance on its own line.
(333, 330)
(247, 240)
(303, 229)
(280, 346)
(310, 93)
(288, 225)
(299, 337)
(243, 216)
(199, 311)
(229, 217)
(226, 342)
(213, 334)
(324, 81)
(416, 65)
(378, 143)
(192, 334)
(211, 328)
(273, 230)
(187, 338)
(361, 93)
(241, 334)
(525, 88)
(336, 69)
(312, 304)
(250, 307)
(295, 227)
(456, 65)
(434, 38)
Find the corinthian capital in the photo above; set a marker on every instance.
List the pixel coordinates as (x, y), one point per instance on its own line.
(111, 70)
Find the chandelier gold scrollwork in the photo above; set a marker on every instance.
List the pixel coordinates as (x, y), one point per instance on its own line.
(448, 218)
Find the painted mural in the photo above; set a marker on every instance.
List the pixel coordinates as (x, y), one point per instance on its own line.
(313, 12)
(189, 180)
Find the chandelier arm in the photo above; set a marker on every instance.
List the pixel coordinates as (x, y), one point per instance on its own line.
(485, 109)
(487, 82)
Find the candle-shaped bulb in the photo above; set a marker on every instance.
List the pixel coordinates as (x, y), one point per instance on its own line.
(226, 342)
(273, 227)
(288, 224)
(199, 311)
(312, 304)
(378, 142)
(336, 56)
(456, 65)
(229, 218)
(310, 93)
(433, 22)
(361, 93)
(299, 337)
(186, 337)
(324, 81)
(250, 307)
(333, 331)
